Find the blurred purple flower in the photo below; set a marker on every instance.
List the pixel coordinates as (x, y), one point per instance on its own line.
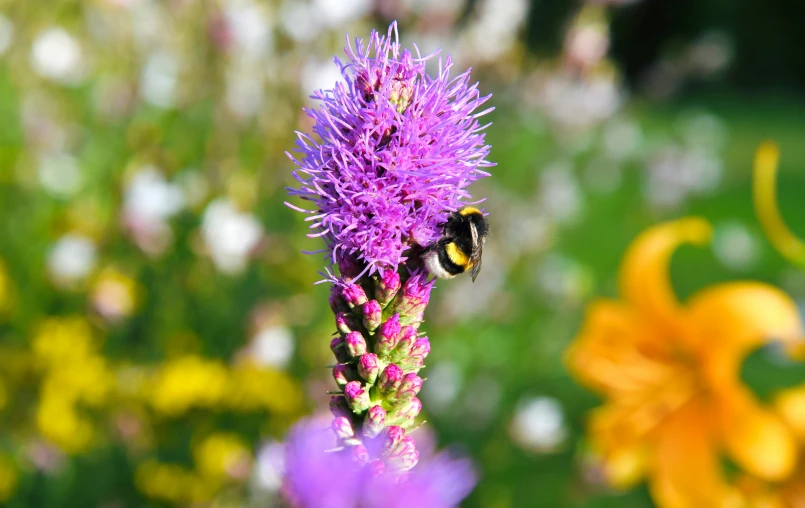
(395, 151)
(316, 477)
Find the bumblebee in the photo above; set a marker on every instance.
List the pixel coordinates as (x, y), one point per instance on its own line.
(460, 247)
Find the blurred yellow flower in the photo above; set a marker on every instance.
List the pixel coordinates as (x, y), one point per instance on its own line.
(5, 288)
(222, 457)
(187, 382)
(670, 374)
(172, 483)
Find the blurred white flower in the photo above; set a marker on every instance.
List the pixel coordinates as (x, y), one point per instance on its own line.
(559, 193)
(580, 103)
(59, 174)
(710, 54)
(434, 7)
(158, 79)
(443, 386)
(56, 55)
(149, 197)
(318, 75)
(273, 346)
(337, 14)
(586, 45)
(563, 280)
(622, 138)
(71, 258)
(299, 20)
(148, 201)
(538, 424)
(6, 33)
(270, 466)
(494, 30)
(250, 25)
(244, 91)
(735, 246)
(676, 172)
(230, 235)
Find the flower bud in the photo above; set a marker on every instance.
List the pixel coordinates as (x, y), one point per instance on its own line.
(408, 336)
(404, 456)
(345, 322)
(337, 302)
(388, 335)
(354, 295)
(410, 386)
(360, 454)
(387, 287)
(390, 379)
(339, 406)
(392, 436)
(368, 367)
(375, 421)
(343, 374)
(355, 344)
(349, 266)
(405, 414)
(413, 299)
(357, 396)
(338, 349)
(343, 427)
(421, 347)
(372, 315)
(416, 357)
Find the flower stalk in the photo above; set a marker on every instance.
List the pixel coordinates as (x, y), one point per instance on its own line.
(767, 158)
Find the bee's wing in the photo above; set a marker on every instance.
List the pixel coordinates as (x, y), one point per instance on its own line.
(477, 252)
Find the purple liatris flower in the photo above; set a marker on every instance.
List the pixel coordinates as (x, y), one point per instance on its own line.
(393, 152)
(319, 474)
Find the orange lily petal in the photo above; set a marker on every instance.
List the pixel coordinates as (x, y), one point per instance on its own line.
(644, 276)
(790, 405)
(623, 455)
(757, 439)
(616, 352)
(729, 320)
(687, 472)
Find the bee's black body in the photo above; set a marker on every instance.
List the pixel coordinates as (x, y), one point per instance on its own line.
(461, 245)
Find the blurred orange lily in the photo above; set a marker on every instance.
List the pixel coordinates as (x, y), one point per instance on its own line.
(670, 374)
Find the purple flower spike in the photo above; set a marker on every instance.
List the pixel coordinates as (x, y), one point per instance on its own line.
(394, 152)
(357, 396)
(315, 477)
(372, 315)
(343, 427)
(368, 368)
(410, 386)
(387, 286)
(375, 421)
(354, 295)
(388, 335)
(390, 379)
(338, 349)
(355, 344)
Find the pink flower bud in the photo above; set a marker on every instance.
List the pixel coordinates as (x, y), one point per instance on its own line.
(354, 295)
(421, 347)
(414, 298)
(387, 287)
(355, 344)
(343, 427)
(368, 368)
(408, 336)
(339, 350)
(345, 322)
(337, 303)
(375, 421)
(357, 396)
(339, 406)
(410, 386)
(360, 454)
(404, 456)
(390, 379)
(372, 315)
(343, 374)
(392, 436)
(388, 335)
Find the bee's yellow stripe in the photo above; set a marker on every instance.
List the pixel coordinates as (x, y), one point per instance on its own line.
(456, 255)
(468, 210)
